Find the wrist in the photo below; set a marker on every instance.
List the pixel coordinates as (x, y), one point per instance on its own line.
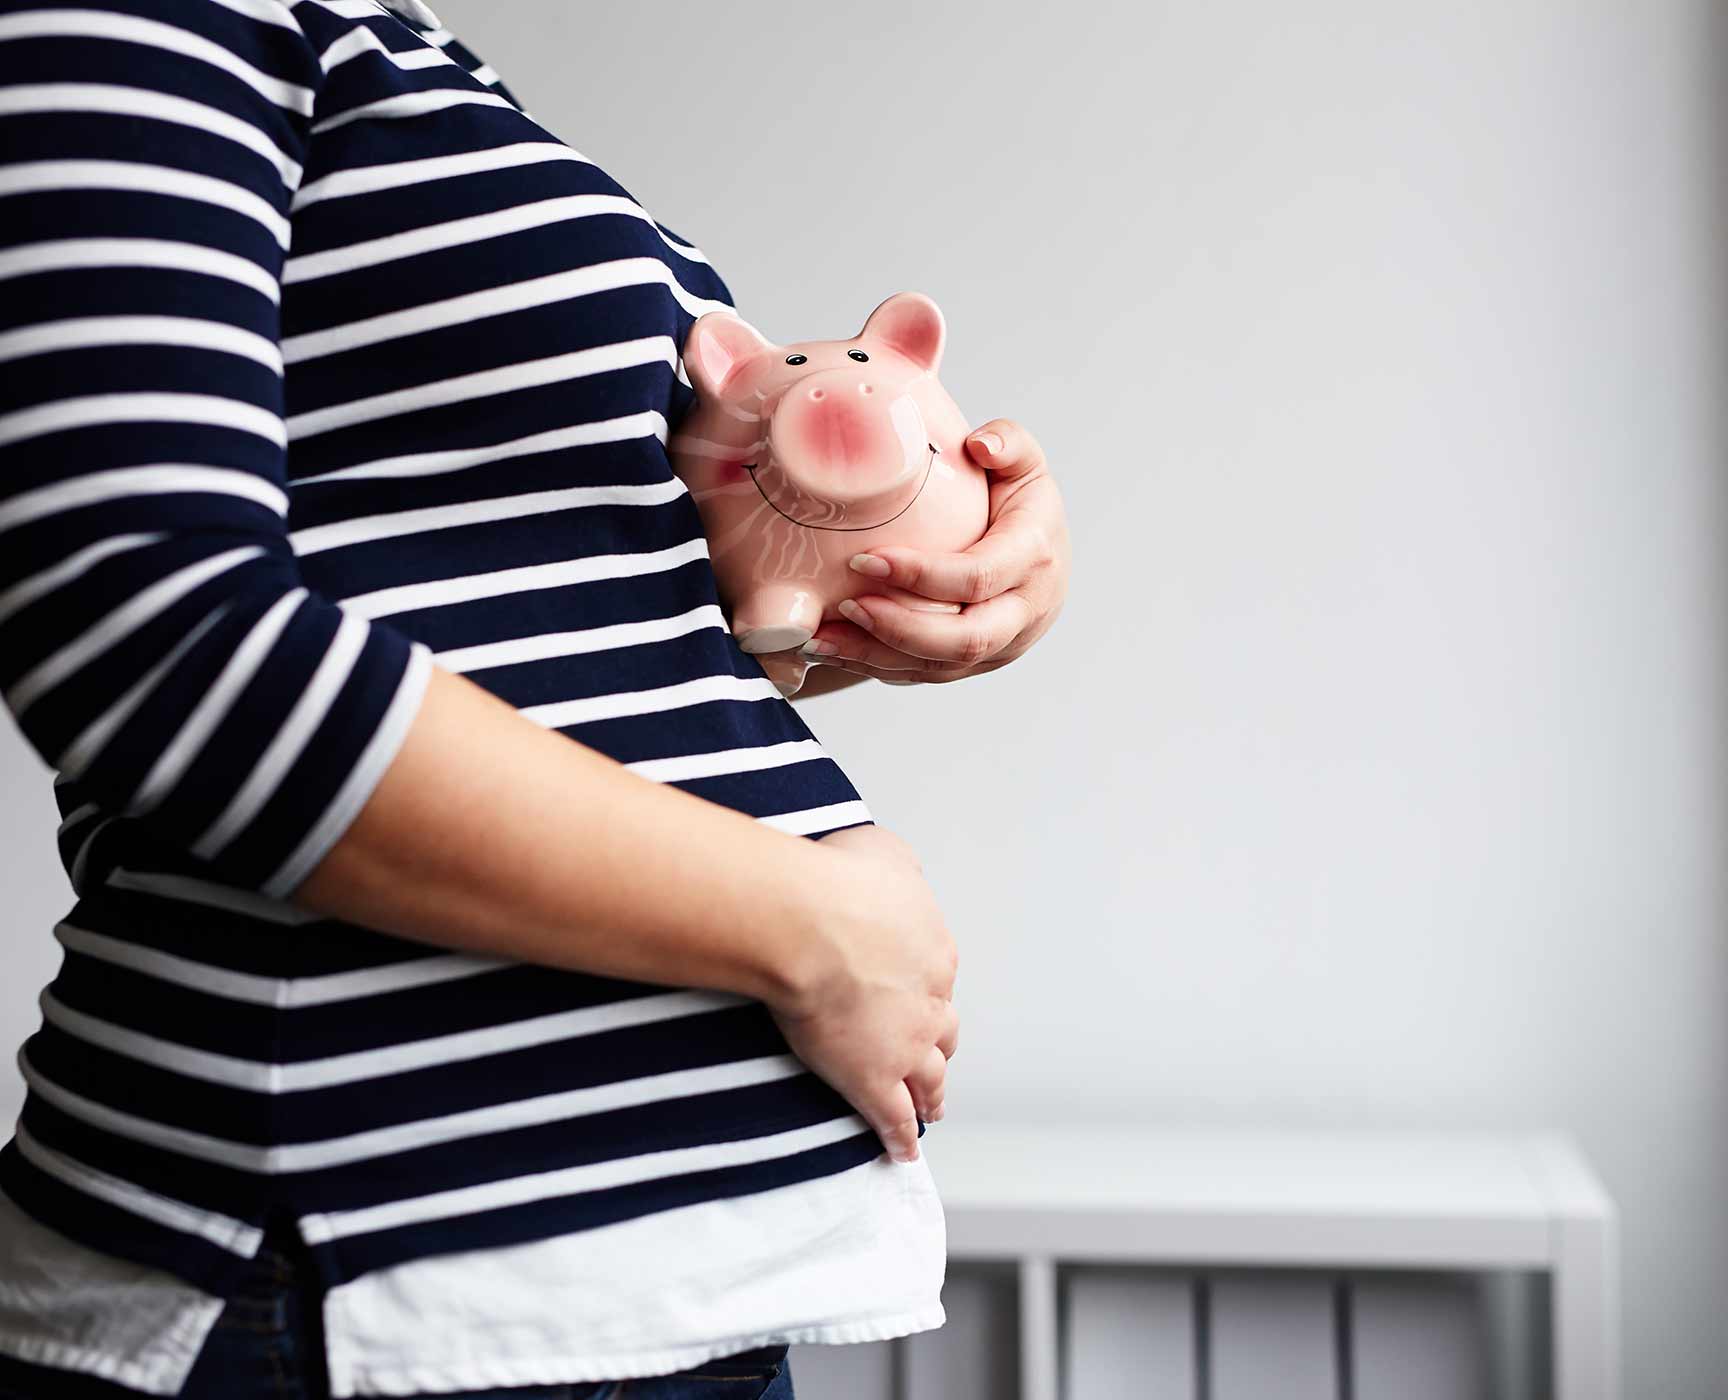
(794, 946)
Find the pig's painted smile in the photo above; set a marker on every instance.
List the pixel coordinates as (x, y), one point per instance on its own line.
(923, 481)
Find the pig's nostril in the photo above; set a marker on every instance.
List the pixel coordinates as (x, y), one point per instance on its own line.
(866, 388)
(817, 393)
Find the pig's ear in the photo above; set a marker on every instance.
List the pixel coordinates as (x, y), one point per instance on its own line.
(912, 324)
(718, 344)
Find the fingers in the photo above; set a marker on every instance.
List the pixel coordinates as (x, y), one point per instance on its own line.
(968, 638)
(837, 643)
(928, 1085)
(949, 1040)
(930, 673)
(844, 641)
(1012, 548)
(895, 1120)
(1001, 560)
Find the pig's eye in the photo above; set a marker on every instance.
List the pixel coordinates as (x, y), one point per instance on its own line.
(859, 356)
(797, 359)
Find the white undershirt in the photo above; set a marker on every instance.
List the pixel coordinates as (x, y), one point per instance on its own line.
(858, 1256)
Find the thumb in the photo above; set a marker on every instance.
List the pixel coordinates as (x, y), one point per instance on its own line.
(1006, 448)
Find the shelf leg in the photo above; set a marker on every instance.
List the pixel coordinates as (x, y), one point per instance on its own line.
(1038, 1349)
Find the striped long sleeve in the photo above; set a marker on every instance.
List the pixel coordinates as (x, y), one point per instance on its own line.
(158, 646)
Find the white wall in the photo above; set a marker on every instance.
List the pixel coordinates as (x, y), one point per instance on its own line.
(1376, 771)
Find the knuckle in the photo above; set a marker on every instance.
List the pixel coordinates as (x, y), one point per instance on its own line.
(974, 647)
(981, 582)
(890, 632)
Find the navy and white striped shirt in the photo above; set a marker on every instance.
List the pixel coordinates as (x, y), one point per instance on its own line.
(322, 363)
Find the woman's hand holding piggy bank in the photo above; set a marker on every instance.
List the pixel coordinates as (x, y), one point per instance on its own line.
(800, 457)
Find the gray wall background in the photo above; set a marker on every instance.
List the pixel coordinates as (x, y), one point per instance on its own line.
(1375, 774)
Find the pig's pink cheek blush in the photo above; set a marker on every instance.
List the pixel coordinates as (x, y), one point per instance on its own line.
(842, 444)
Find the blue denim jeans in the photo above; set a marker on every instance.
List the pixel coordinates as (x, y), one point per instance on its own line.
(266, 1345)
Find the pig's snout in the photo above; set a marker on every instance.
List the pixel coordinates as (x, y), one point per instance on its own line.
(847, 437)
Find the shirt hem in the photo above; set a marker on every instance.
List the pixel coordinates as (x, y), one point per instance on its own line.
(349, 1381)
(158, 1377)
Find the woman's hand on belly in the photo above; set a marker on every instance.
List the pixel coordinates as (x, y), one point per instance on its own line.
(1011, 584)
(877, 1020)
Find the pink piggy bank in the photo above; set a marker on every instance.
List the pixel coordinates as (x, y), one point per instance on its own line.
(801, 456)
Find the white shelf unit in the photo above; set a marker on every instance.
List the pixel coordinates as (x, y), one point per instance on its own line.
(1315, 1208)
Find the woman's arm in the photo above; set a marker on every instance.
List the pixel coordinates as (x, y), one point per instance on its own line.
(491, 834)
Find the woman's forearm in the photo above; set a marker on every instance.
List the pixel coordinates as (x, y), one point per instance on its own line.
(493, 835)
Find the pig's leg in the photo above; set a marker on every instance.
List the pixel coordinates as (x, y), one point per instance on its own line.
(786, 669)
(776, 617)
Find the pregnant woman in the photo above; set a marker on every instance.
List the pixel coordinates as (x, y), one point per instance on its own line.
(454, 1003)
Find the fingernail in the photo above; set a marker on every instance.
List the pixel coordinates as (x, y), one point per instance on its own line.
(854, 614)
(990, 442)
(931, 605)
(871, 565)
(886, 681)
(817, 647)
